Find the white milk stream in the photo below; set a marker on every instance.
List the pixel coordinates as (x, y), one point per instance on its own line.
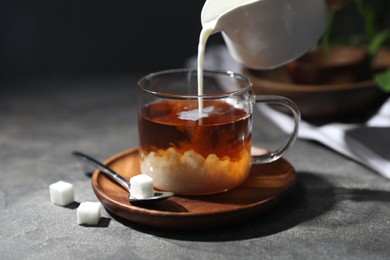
(204, 35)
(212, 12)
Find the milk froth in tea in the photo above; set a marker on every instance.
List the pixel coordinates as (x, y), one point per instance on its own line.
(200, 144)
(194, 153)
(195, 147)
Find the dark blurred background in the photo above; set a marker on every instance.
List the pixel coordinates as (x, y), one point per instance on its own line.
(82, 37)
(93, 37)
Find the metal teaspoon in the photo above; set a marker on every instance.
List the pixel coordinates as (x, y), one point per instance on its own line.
(157, 195)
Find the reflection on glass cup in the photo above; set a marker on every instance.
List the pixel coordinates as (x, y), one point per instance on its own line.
(196, 145)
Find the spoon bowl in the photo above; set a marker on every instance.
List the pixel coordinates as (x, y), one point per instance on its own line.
(157, 195)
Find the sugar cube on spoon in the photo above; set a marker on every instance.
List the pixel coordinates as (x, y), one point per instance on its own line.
(141, 186)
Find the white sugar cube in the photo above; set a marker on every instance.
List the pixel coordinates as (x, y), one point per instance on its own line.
(141, 186)
(61, 193)
(89, 213)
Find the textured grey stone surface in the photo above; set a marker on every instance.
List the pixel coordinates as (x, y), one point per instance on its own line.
(338, 210)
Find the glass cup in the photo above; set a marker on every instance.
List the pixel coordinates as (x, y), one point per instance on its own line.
(197, 145)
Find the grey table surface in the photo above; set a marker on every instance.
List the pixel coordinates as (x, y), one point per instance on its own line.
(338, 209)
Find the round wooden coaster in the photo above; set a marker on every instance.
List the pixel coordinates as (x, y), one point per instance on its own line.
(265, 186)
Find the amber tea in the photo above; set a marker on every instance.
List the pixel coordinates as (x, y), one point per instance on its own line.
(191, 153)
(196, 143)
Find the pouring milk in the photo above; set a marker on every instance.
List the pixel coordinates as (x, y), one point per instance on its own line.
(261, 34)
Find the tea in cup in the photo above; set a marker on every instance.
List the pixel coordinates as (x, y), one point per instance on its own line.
(194, 144)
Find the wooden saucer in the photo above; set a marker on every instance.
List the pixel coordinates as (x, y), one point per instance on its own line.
(265, 186)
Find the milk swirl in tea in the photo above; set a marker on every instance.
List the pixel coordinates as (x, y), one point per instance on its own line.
(200, 144)
(195, 156)
(195, 147)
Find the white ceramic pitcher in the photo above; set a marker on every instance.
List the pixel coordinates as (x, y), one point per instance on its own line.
(264, 34)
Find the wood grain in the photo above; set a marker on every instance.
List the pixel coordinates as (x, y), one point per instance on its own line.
(265, 186)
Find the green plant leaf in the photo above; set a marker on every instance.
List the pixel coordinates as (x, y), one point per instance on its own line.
(378, 40)
(325, 39)
(383, 80)
(369, 16)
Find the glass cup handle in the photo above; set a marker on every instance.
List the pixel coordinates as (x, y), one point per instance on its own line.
(275, 155)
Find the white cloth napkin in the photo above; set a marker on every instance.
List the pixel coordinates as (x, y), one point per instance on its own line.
(367, 143)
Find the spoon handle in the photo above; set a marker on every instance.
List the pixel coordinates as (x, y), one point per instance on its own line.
(110, 173)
